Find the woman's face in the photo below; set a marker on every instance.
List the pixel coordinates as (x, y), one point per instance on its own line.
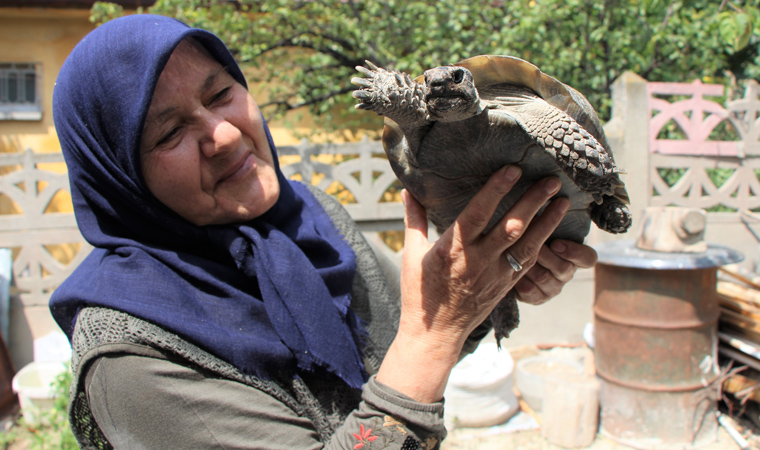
(204, 151)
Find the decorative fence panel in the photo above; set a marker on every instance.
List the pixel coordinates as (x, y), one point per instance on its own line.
(46, 244)
(360, 176)
(680, 145)
(35, 233)
(707, 155)
(357, 173)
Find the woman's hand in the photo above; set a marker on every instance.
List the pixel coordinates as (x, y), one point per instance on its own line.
(449, 287)
(556, 265)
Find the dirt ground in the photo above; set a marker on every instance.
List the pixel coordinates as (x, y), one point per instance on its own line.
(528, 436)
(480, 439)
(493, 439)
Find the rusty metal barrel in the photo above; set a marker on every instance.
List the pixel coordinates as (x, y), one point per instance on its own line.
(655, 322)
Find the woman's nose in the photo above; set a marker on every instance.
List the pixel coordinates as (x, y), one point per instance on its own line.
(220, 136)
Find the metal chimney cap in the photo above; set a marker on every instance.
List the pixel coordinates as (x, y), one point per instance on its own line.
(624, 253)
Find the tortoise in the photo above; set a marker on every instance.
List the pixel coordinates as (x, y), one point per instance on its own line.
(450, 129)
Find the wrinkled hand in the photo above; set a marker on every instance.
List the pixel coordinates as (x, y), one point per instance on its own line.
(450, 286)
(555, 267)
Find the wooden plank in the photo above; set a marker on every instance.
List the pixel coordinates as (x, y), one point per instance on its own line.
(740, 343)
(738, 292)
(740, 320)
(739, 382)
(742, 316)
(739, 277)
(739, 330)
(739, 356)
(738, 306)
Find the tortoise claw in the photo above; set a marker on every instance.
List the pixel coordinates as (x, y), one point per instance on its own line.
(362, 95)
(366, 71)
(361, 82)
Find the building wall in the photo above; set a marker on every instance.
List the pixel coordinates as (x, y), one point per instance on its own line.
(43, 36)
(46, 36)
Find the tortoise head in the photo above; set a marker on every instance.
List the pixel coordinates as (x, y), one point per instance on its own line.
(450, 94)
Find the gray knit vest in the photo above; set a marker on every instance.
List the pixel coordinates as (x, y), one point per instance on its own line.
(102, 331)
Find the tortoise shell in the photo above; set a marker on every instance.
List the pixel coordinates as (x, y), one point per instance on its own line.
(450, 129)
(437, 177)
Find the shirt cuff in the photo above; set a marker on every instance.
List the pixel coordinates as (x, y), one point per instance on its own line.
(423, 416)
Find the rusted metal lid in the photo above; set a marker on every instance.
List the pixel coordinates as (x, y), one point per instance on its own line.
(625, 254)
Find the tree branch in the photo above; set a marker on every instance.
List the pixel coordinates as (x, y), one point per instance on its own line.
(285, 106)
(293, 41)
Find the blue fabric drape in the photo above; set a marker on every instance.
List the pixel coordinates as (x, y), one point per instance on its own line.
(269, 295)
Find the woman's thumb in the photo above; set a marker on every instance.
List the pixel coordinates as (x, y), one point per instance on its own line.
(415, 220)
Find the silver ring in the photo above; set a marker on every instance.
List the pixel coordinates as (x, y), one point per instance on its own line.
(516, 266)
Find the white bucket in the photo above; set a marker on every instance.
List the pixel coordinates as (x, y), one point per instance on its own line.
(479, 392)
(531, 372)
(33, 386)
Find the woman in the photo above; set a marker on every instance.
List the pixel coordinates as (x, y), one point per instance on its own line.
(224, 306)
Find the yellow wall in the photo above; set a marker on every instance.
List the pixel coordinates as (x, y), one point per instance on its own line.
(44, 36)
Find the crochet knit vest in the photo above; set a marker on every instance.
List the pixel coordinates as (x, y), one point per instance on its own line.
(100, 331)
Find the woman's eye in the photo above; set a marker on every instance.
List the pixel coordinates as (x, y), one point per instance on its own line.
(168, 136)
(221, 95)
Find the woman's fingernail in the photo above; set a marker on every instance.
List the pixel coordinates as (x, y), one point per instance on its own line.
(512, 173)
(552, 185)
(564, 205)
(559, 246)
(404, 193)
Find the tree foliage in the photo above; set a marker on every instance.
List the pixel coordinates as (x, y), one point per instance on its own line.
(307, 49)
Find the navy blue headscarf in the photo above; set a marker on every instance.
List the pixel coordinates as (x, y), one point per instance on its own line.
(266, 295)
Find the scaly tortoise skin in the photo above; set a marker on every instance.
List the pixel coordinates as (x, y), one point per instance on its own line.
(449, 130)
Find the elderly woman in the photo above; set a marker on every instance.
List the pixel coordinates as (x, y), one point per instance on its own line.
(226, 307)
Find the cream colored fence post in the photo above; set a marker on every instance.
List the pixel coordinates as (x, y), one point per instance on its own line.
(705, 154)
(628, 133)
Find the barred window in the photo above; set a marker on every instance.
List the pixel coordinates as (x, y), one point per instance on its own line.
(19, 92)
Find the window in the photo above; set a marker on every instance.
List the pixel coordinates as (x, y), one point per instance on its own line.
(20, 97)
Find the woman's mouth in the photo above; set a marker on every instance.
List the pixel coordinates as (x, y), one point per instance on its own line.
(240, 168)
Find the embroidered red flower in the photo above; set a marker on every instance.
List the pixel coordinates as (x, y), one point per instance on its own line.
(363, 437)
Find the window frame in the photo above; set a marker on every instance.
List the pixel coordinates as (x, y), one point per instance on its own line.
(23, 110)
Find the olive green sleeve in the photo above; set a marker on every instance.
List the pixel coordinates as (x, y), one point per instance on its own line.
(141, 402)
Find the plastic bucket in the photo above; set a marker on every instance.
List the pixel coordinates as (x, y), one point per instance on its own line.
(479, 392)
(33, 385)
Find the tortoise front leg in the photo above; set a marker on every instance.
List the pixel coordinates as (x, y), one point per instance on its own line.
(391, 94)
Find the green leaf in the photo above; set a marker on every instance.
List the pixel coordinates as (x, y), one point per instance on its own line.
(306, 50)
(744, 25)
